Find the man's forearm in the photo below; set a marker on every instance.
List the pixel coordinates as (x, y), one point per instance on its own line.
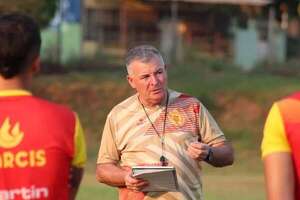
(111, 174)
(222, 155)
(279, 176)
(74, 182)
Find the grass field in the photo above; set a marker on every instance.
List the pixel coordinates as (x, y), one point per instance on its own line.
(239, 101)
(216, 187)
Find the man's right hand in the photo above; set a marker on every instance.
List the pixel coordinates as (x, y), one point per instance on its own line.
(134, 183)
(113, 175)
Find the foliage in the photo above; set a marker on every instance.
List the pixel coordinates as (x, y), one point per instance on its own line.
(42, 10)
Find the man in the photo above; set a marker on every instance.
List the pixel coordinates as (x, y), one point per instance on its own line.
(42, 148)
(158, 126)
(281, 149)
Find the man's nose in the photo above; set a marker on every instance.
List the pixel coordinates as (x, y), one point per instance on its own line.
(154, 80)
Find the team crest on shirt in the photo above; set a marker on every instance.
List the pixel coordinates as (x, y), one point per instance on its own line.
(176, 118)
(10, 134)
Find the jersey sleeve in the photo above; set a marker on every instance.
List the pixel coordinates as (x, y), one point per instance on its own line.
(274, 138)
(209, 130)
(80, 157)
(108, 152)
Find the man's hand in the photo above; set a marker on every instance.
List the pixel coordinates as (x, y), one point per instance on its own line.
(134, 184)
(198, 151)
(222, 153)
(75, 177)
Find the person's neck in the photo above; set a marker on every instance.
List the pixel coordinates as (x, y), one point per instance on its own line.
(12, 83)
(151, 105)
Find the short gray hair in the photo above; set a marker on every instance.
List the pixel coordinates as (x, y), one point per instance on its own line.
(143, 53)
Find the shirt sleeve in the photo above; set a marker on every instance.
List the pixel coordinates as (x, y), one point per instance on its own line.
(108, 152)
(274, 138)
(209, 130)
(80, 157)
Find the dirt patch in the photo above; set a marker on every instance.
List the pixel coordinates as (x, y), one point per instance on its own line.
(237, 112)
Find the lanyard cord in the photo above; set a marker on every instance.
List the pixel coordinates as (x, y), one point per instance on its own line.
(162, 159)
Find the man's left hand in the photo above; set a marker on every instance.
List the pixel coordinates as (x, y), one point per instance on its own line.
(198, 151)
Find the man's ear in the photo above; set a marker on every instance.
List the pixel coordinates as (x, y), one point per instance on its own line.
(130, 81)
(36, 65)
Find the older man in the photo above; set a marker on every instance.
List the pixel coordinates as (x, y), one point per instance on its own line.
(158, 126)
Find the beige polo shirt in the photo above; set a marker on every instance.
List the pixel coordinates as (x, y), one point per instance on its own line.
(129, 139)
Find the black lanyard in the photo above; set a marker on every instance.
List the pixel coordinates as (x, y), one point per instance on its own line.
(163, 159)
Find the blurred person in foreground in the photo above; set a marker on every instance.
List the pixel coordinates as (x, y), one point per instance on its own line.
(42, 147)
(158, 126)
(281, 149)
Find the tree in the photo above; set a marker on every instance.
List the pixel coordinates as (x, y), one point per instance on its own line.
(42, 10)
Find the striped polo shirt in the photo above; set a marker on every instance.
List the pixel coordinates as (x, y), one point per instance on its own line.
(129, 140)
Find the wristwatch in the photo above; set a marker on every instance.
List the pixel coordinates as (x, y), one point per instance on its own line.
(209, 156)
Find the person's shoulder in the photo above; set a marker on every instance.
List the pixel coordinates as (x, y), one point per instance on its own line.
(295, 96)
(127, 105)
(179, 96)
(50, 106)
(287, 99)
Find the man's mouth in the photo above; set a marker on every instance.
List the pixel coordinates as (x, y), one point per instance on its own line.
(157, 90)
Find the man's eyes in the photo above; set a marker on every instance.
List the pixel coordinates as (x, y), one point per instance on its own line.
(145, 77)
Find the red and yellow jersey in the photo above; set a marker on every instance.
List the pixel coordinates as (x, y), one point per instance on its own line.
(39, 142)
(275, 137)
(282, 132)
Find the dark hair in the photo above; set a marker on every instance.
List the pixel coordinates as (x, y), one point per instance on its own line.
(20, 43)
(143, 53)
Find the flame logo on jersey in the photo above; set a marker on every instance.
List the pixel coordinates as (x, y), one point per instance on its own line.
(176, 118)
(10, 136)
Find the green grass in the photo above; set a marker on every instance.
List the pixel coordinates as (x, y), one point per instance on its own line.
(91, 190)
(216, 186)
(233, 187)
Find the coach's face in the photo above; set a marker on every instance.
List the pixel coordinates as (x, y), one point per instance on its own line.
(149, 80)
